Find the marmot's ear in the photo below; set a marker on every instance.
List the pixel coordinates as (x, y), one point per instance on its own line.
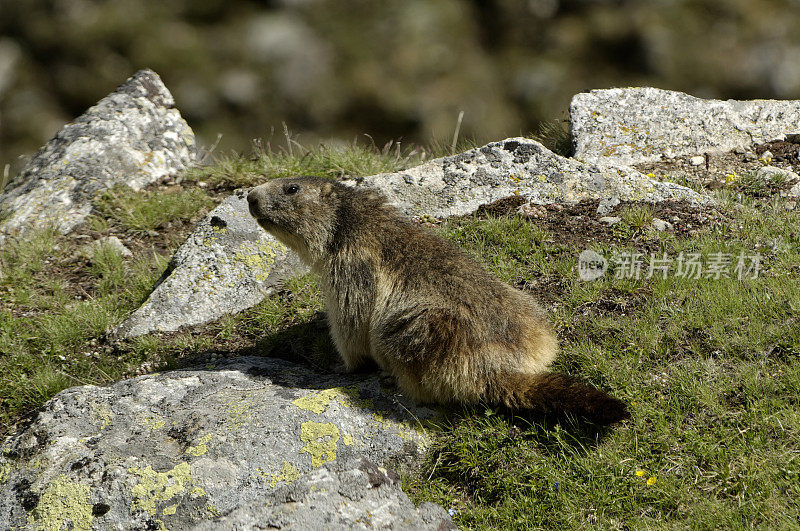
(327, 190)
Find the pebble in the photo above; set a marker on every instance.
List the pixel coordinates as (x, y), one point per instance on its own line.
(91, 248)
(530, 211)
(767, 155)
(697, 161)
(768, 172)
(610, 220)
(661, 225)
(607, 205)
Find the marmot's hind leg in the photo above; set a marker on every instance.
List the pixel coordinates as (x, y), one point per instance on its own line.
(428, 350)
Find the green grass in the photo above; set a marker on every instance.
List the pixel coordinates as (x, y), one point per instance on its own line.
(555, 136)
(710, 367)
(49, 332)
(335, 160)
(755, 185)
(147, 211)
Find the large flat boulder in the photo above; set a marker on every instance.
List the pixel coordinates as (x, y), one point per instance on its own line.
(228, 264)
(175, 449)
(340, 496)
(134, 136)
(633, 125)
(459, 184)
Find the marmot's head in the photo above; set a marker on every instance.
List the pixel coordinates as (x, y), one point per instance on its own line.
(300, 212)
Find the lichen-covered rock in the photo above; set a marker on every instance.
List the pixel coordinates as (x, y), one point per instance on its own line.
(342, 495)
(634, 125)
(459, 184)
(175, 449)
(226, 265)
(133, 136)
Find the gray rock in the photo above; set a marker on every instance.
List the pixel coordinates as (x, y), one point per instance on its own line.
(172, 450)
(638, 124)
(133, 136)
(661, 225)
(339, 496)
(226, 265)
(794, 191)
(459, 184)
(769, 172)
(610, 220)
(697, 160)
(607, 205)
(90, 249)
(767, 156)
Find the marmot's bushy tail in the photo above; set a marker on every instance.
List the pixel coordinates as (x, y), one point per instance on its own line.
(558, 394)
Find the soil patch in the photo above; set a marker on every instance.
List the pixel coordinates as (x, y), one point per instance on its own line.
(717, 169)
(578, 225)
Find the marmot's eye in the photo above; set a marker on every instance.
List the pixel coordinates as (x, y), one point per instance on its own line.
(291, 189)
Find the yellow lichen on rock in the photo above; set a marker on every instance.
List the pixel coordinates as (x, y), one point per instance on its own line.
(103, 414)
(201, 447)
(154, 487)
(5, 469)
(62, 503)
(261, 259)
(321, 439)
(154, 422)
(239, 412)
(287, 474)
(346, 396)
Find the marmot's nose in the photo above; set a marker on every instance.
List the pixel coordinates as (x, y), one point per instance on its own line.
(252, 201)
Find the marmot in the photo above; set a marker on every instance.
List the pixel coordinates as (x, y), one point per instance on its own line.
(447, 330)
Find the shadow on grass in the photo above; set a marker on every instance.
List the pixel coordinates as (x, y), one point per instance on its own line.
(308, 344)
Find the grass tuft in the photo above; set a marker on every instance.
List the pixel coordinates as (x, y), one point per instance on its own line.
(149, 210)
(323, 160)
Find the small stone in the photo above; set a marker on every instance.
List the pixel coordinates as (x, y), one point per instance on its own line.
(90, 249)
(767, 155)
(607, 205)
(697, 161)
(530, 211)
(749, 156)
(610, 220)
(770, 172)
(795, 191)
(661, 225)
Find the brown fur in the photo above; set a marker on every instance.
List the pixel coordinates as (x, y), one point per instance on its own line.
(419, 307)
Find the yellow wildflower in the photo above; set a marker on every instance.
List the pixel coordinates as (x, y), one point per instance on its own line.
(639, 473)
(651, 480)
